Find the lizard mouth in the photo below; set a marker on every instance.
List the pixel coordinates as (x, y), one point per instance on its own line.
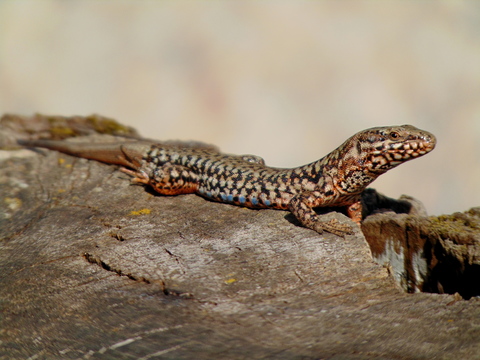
(411, 149)
(395, 153)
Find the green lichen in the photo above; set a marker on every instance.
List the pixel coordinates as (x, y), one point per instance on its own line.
(63, 127)
(460, 227)
(61, 132)
(108, 126)
(58, 127)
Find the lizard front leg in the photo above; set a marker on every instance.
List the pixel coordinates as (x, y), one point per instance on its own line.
(302, 206)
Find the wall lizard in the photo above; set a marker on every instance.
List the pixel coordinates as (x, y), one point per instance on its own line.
(336, 180)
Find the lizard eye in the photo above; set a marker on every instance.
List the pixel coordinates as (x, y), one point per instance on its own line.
(393, 135)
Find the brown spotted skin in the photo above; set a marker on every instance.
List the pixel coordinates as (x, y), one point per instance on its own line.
(336, 180)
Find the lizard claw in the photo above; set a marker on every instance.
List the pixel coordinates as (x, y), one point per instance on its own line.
(139, 177)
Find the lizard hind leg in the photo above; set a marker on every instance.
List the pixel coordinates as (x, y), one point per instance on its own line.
(172, 180)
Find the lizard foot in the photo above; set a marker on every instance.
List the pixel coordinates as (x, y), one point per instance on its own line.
(333, 226)
(139, 177)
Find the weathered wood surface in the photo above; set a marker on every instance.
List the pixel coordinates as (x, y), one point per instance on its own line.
(95, 268)
(436, 254)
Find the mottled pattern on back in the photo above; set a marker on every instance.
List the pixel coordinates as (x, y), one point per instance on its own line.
(233, 179)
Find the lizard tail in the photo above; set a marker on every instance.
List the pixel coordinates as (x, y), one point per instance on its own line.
(124, 154)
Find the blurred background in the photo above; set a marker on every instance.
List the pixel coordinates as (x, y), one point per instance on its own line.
(287, 80)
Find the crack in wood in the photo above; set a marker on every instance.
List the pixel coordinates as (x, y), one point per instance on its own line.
(92, 259)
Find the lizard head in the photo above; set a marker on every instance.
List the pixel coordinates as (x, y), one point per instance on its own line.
(383, 148)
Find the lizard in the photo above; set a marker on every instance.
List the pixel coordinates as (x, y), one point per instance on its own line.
(336, 180)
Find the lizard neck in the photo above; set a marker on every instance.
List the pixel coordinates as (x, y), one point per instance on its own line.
(347, 168)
